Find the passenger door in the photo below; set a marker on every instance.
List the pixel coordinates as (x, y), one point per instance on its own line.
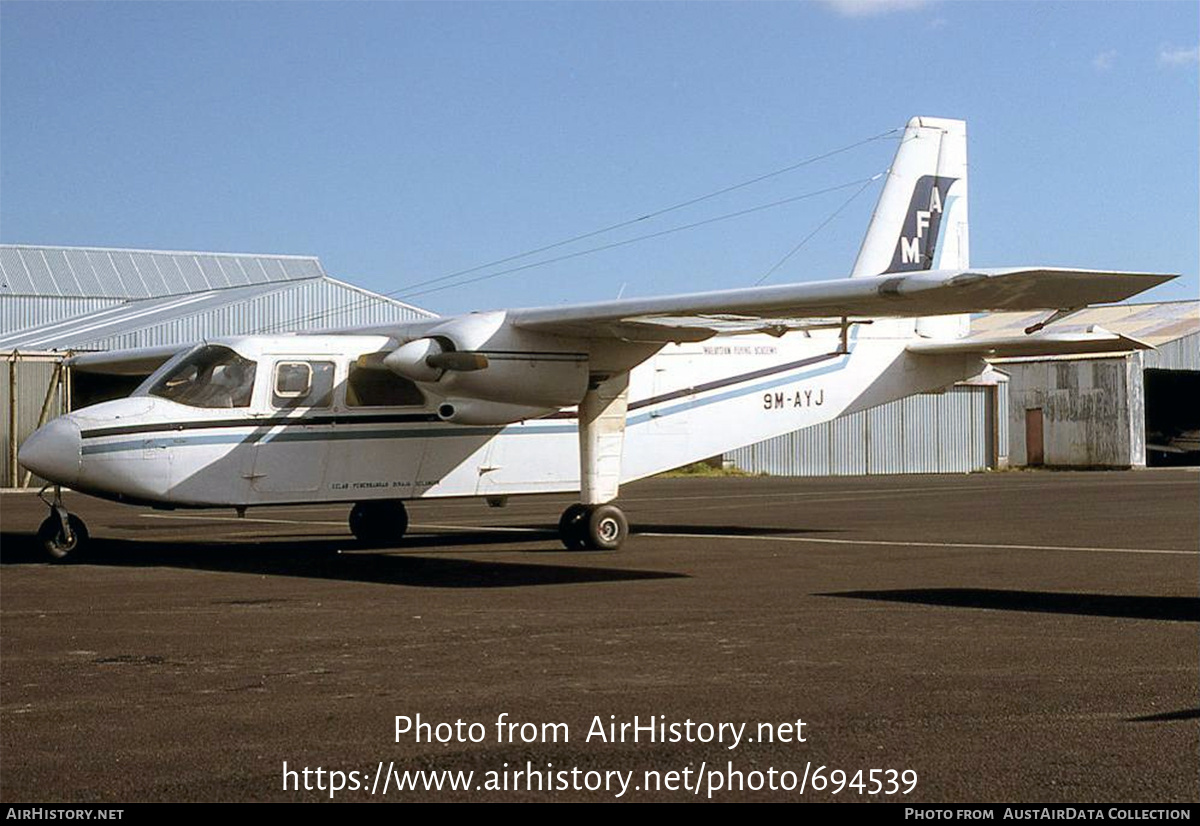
(294, 442)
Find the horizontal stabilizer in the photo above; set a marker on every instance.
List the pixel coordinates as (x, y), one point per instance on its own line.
(1095, 340)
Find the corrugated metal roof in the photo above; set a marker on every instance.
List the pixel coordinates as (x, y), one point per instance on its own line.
(1155, 323)
(314, 304)
(21, 312)
(94, 272)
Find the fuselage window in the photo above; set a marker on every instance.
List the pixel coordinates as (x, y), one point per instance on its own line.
(380, 388)
(303, 384)
(209, 376)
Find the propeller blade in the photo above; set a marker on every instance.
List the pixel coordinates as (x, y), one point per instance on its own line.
(456, 360)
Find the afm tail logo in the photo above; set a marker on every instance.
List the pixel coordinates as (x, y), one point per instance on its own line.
(918, 236)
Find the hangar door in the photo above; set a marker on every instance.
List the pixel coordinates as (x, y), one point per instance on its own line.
(1172, 417)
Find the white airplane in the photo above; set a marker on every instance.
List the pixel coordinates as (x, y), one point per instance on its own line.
(581, 397)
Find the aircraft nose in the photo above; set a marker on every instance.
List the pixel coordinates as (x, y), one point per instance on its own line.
(53, 451)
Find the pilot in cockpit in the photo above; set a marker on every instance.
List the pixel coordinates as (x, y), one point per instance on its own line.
(231, 385)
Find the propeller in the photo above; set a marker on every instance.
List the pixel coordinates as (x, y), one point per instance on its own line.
(457, 360)
(426, 359)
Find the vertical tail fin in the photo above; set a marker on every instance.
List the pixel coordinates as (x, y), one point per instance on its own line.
(920, 222)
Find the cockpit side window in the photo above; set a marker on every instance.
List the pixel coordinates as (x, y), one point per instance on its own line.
(303, 384)
(210, 376)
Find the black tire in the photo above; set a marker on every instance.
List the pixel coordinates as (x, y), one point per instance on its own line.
(572, 527)
(378, 523)
(607, 528)
(56, 545)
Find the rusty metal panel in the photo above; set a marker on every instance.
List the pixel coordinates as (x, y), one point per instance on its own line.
(1087, 411)
(34, 373)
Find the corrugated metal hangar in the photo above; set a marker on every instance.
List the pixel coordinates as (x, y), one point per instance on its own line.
(1125, 410)
(957, 431)
(59, 300)
(1118, 411)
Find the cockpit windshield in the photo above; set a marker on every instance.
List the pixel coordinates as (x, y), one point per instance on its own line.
(209, 376)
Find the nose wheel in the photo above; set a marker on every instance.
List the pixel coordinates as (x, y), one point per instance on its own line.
(63, 536)
(594, 527)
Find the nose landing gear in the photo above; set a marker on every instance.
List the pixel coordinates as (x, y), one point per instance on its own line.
(594, 527)
(62, 535)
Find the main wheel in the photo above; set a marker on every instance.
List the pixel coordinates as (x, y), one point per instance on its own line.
(58, 545)
(378, 522)
(606, 528)
(572, 527)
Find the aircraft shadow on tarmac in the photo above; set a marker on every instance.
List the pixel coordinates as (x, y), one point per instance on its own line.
(320, 559)
(1167, 716)
(1177, 609)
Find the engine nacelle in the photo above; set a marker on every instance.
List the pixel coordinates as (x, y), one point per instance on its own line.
(479, 357)
(474, 411)
(528, 380)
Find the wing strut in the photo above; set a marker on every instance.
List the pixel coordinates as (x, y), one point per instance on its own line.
(1057, 315)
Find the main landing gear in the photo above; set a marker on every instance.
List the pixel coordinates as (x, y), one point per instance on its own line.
(379, 522)
(594, 527)
(62, 535)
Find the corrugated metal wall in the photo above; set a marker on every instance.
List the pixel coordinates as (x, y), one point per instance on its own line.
(1180, 354)
(1000, 413)
(1092, 411)
(32, 375)
(951, 432)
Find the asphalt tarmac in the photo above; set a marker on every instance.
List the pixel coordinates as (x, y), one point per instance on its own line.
(1007, 638)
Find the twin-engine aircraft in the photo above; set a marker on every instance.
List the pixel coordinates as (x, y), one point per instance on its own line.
(580, 398)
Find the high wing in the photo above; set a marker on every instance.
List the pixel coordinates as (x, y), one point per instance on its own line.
(927, 293)
(697, 316)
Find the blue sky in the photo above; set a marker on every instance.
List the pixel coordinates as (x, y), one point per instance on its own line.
(401, 142)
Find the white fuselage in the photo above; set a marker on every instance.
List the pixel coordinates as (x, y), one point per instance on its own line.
(686, 403)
